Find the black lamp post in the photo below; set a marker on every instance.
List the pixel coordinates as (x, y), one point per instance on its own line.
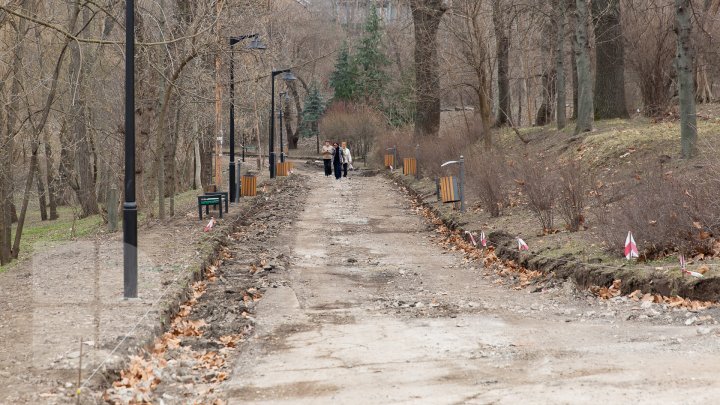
(280, 115)
(287, 76)
(130, 205)
(255, 44)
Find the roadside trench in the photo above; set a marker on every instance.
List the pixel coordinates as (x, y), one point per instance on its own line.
(187, 362)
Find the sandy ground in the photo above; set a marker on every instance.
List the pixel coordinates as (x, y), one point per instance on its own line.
(372, 310)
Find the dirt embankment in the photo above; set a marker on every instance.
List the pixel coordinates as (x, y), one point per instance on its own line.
(585, 274)
(188, 361)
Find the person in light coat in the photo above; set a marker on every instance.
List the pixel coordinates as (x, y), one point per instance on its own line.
(347, 159)
(327, 152)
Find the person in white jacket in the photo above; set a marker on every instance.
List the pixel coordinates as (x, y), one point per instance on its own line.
(347, 159)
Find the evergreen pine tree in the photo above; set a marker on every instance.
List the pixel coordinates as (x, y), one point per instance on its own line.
(314, 108)
(370, 62)
(342, 80)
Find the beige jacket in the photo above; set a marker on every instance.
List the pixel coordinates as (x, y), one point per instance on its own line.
(327, 151)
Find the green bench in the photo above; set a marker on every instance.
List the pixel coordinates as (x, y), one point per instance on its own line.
(224, 194)
(208, 200)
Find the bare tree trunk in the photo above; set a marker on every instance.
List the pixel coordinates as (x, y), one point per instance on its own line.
(198, 178)
(51, 181)
(609, 98)
(218, 103)
(41, 195)
(37, 130)
(582, 57)
(426, 20)
(81, 142)
(26, 199)
(485, 109)
(160, 153)
(570, 11)
(502, 49)
(172, 175)
(206, 144)
(560, 63)
(293, 137)
(260, 155)
(7, 150)
(684, 66)
(546, 112)
(520, 87)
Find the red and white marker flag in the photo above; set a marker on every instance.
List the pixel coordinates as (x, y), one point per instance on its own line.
(210, 225)
(472, 238)
(630, 247)
(522, 245)
(683, 268)
(483, 239)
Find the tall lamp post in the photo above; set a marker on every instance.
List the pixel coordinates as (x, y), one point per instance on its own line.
(130, 205)
(287, 76)
(255, 44)
(280, 115)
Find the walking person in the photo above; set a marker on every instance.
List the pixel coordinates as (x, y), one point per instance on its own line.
(337, 160)
(347, 158)
(327, 151)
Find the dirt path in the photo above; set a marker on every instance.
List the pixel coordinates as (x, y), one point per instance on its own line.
(73, 290)
(372, 310)
(338, 292)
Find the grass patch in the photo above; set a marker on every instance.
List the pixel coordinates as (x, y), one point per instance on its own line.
(65, 228)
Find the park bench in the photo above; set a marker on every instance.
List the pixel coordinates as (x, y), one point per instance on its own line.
(224, 194)
(208, 200)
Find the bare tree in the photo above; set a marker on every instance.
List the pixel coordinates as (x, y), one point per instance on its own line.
(584, 73)
(686, 84)
(426, 20)
(560, 27)
(466, 27)
(502, 21)
(609, 97)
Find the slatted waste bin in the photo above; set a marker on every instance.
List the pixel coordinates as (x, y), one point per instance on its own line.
(389, 161)
(449, 191)
(249, 186)
(283, 169)
(409, 166)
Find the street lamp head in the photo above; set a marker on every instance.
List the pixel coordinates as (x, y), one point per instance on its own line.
(288, 76)
(256, 43)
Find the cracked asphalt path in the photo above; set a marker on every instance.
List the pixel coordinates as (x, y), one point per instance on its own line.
(372, 310)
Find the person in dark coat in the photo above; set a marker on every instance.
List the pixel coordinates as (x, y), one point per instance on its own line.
(337, 159)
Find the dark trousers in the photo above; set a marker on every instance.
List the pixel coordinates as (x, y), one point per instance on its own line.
(345, 165)
(338, 171)
(328, 168)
